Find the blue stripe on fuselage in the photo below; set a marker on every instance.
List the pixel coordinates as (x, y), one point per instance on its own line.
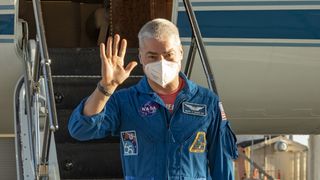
(256, 44)
(273, 24)
(6, 7)
(6, 40)
(6, 24)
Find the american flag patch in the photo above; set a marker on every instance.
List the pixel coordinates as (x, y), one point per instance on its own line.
(223, 114)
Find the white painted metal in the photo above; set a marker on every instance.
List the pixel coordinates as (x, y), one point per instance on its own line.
(11, 71)
(26, 152)
(28, 160)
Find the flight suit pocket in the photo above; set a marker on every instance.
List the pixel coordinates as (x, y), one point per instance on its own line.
(193, 161)
(137, 153)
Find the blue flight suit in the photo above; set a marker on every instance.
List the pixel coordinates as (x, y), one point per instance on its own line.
(192, 143)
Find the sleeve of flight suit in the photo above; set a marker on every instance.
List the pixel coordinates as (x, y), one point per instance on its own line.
(98, 126)
(229, 140)
(220, 161)
(229, 144)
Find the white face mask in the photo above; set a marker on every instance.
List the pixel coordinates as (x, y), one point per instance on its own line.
(162, 72)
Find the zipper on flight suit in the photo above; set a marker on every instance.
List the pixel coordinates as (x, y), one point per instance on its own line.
(169, 134)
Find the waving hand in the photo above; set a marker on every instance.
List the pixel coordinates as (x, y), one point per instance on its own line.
(113, 71)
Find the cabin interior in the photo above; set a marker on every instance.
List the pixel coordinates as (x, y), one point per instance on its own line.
(78, 23)
(74, 28)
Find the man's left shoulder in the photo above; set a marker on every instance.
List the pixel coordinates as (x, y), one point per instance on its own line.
(205, 92)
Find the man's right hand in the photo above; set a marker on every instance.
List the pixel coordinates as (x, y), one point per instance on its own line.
(112, 63)
(112, 71)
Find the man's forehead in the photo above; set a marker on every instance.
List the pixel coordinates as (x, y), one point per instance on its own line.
(152, 45)
(164, 52)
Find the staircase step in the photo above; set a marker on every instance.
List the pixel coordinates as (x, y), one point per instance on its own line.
(89, 160)
(69, 91)
(84, 61)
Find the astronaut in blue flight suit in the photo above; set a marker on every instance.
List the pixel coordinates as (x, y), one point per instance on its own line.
(170, 128)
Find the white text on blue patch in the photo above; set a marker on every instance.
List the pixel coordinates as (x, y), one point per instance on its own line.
(194, 109)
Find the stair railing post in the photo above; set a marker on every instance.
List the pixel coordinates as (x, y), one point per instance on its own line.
(51, 123)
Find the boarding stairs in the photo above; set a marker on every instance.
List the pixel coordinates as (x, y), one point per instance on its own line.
(72, 82)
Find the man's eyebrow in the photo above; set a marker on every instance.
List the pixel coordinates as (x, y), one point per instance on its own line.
(154, 53)
(151, 53)
(170, 50)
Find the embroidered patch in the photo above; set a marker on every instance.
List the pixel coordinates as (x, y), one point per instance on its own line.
(223, 114)
(194, 109)
(148, 109)
(199, 143)
(129, 142)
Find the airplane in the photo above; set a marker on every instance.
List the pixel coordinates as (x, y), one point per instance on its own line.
(264, 56)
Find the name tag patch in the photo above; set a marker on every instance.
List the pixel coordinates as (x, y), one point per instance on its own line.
(129, 142)
(194, 109)
(199, 143)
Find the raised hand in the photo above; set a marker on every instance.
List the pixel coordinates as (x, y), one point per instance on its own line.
(112, 66)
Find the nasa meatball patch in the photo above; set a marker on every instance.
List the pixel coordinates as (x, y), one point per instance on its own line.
(129, 142)
(148, 109)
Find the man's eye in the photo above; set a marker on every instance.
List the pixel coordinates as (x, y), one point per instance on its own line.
(170, 55)
(152, 57)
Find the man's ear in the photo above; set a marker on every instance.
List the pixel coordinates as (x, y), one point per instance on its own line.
(139, 56)
(181, 51)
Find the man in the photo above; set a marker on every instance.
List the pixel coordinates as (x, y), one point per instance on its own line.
(170, 128)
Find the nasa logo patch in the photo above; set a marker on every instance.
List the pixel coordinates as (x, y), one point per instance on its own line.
(199, 143)
(129, 142)
(148, 109)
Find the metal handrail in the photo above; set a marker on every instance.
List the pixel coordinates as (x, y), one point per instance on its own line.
(191, 57)
(200, 45)
(45, 63)
(51, 123)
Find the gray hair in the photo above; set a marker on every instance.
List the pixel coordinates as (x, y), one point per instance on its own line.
(159, 29)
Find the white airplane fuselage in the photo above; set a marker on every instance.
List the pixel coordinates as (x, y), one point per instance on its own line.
(265, 57)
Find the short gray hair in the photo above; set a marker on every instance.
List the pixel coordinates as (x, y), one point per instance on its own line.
(159, 29)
